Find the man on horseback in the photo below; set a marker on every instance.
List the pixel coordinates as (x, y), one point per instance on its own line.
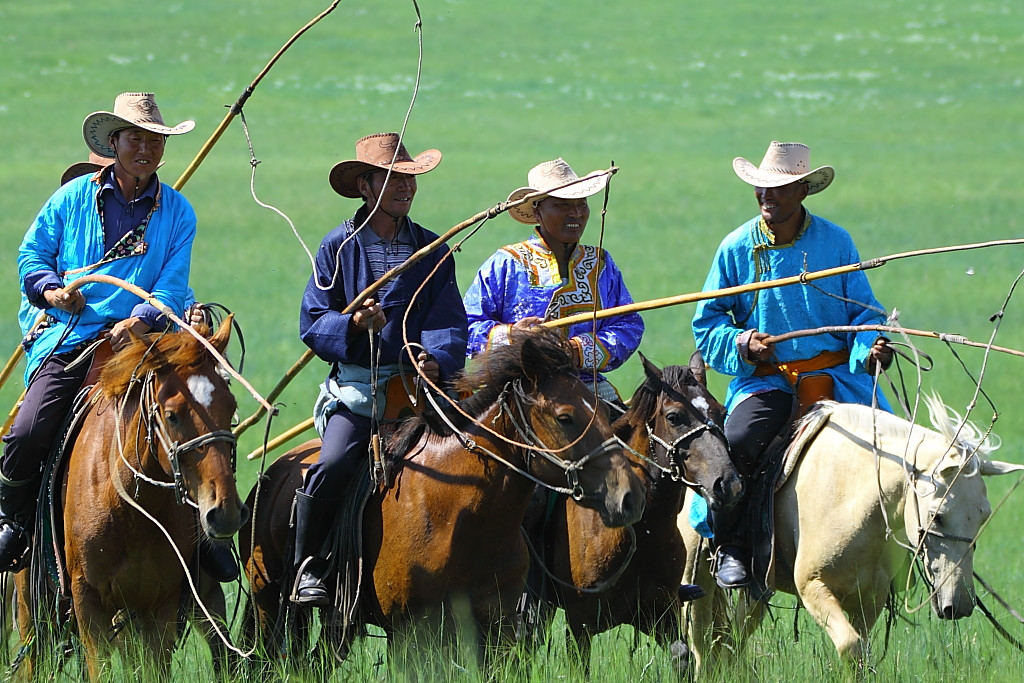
(120, 221)
(366, 348)
(552, 275)
(774, 382)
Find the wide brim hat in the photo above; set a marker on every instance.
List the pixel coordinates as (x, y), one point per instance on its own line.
(131, 110)
(784, 163)
(95, 163)
(548, 178)
(381, 151)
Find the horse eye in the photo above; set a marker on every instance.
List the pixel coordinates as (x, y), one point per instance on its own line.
(565, 418)
(675, 418)
(170, 418)
(938, 520)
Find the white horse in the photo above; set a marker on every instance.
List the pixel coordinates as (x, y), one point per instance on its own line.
(870, 493)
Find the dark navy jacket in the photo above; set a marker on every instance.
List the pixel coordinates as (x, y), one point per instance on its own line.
(437, 319)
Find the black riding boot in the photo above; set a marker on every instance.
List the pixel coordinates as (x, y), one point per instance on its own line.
(17, 500)
(313, 519)
(732, 555)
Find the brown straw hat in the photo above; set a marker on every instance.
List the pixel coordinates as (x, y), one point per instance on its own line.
(95, 163)
(131, 110)
(548, 176)
(377, 152)
(784, 163)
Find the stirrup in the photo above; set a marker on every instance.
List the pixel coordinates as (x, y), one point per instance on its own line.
(307, 580)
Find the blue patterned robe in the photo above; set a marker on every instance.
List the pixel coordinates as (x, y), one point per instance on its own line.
(522, 280)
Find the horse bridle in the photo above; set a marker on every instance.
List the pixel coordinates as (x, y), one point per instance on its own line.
(157, 427)
(571, 468)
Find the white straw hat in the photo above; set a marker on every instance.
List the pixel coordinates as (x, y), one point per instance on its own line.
(131, 110)
(784, 163)
(546, 178)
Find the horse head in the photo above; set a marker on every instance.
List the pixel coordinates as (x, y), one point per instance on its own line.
(684, 423)
(185, 410)
(950, 507)
(562, 428)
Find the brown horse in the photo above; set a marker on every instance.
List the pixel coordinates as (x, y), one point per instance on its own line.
(154, 447)
(445, 536)
(605, 577)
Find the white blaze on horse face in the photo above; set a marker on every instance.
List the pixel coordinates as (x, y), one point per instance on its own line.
(202, 390)
(701, 404)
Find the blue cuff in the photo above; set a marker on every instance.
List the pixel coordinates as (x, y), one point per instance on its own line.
(38, 282)
(151, 315)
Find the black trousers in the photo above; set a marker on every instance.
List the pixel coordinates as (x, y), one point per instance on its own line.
(48, 399)
(749, 429)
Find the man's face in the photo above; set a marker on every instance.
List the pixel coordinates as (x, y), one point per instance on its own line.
(396, 198)
(780, 204)
(562, 220)
(138, 151)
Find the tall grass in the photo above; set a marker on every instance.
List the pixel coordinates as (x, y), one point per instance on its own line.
(917, 103)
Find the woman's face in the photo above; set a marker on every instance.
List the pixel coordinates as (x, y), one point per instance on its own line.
(562, 221)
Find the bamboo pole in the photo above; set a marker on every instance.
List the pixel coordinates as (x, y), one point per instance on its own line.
(419, 255)
(889, 329)
(236, 108)
(282, 438)
(767, 284)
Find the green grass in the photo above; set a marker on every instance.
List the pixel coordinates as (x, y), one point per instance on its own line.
(917, 104)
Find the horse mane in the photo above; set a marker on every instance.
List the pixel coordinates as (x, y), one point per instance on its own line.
(967, 436)
(483, 381)
(645, 398)
(152, 353)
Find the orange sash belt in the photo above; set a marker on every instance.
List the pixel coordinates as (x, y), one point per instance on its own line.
(792, 369)
(814, 388)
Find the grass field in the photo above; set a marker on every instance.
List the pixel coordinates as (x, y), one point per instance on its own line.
(919, 105)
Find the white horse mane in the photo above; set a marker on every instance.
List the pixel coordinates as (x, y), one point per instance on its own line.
(968, 438)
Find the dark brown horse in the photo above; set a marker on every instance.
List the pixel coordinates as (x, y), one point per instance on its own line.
(444, 537)
(154, 449)
(605, 577)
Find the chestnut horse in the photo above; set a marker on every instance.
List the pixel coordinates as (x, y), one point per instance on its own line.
(605, 577)
(154, 447)
(444, 537)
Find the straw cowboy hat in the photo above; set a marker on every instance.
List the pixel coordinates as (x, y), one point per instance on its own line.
(131, 110)
(548, 176)
(784, 163)
(377, 152)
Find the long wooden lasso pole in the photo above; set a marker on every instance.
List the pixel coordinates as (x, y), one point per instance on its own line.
(890, 329)
(803, 278)
(419, 255)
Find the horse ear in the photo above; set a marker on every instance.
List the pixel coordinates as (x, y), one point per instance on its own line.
(220, 339)
(698, 368)
(652, 371)
(993, 467)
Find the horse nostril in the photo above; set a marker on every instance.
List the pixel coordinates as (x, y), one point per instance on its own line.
(243, 514)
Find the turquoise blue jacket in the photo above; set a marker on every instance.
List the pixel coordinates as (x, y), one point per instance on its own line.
(68, 234)
(747, 256)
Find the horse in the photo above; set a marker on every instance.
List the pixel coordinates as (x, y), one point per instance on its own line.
(869, 494)
(153, 448)
(442, 535)
(604, 577)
